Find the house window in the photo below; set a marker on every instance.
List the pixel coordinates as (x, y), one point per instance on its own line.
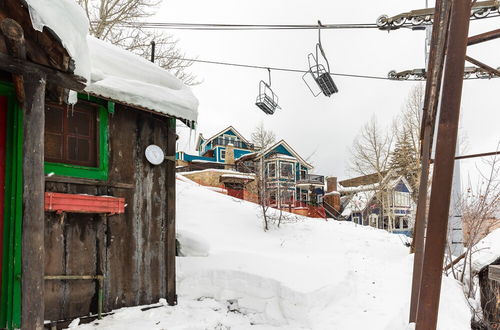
(223, 154)
(271, 170)
(303, 174)
(402, 199)
(356, 220)
(287, 197)
(272, 197)
(76, 140)
(286, 170)
(71, 135)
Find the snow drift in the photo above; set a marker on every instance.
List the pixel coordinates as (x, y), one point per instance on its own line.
(308, 274)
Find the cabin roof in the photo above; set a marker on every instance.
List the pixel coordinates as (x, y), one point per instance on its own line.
(67, 22)
(113, 73)
(127, 78)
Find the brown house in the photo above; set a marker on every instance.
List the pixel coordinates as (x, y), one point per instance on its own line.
(87, 191)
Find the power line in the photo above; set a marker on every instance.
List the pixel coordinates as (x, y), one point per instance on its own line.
(280, 69)
(260, 67)
(256, 27)
(209, 26)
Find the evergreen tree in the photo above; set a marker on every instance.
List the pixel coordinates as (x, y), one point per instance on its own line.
(404, 160)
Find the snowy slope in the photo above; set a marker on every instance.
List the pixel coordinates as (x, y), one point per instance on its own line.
(310, 274)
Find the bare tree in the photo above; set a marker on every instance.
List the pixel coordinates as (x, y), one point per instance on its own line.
(371, 149)
(370, 155)
(480, 205)
(261, 137)
(118, 21)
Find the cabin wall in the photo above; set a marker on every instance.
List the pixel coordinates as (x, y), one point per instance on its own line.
(490, 297)
(129, 249)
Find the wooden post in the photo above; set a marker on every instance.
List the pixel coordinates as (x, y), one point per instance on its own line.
(170, 243)
(33, 249)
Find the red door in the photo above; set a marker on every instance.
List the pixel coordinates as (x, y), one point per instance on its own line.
(3, 133)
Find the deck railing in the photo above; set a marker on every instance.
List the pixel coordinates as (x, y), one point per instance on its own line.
(312, 179)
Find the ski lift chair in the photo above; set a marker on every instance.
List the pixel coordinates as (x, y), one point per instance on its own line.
(267, 100)
(321, 76)
(318, 72)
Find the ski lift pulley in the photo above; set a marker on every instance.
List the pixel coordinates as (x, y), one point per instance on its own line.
(319, 72)
(267, 100)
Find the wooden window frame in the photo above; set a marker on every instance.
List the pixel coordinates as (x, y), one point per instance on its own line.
(101, 171)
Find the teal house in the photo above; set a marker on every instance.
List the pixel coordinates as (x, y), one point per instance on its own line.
(214, 149)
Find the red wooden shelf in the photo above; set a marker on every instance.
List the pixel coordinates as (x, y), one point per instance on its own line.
(75, 203)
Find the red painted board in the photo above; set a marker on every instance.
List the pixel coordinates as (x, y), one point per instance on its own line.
(75, 203)
(3, 138)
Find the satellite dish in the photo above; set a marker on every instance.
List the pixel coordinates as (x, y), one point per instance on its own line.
(154, 154)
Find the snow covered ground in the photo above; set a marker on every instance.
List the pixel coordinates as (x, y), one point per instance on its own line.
(309, 274)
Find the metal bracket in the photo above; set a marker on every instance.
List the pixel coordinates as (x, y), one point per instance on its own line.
(170, 158)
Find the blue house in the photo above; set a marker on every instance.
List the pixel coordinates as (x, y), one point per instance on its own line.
(286, 176)
(384, 203)
(213, 150)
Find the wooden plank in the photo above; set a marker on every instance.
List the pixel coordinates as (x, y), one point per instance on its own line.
(32, 316)
(89, 182)
(494, 273)
(170, 245)
(17, 66)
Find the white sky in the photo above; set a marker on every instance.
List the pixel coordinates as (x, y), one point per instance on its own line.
(322, 127)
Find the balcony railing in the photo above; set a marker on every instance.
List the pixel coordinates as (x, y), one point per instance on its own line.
(235, 143)
(311, 179)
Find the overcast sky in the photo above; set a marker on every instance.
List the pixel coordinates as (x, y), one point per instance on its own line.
(322, 127)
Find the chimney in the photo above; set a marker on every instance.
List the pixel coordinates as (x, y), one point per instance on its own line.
(229, 160)
(331, 184)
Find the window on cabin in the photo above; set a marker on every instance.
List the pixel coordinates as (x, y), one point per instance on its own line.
(271, 170)
(223, 154)
(71, 134)
(286, 170)
(405, 223)
(303, 174)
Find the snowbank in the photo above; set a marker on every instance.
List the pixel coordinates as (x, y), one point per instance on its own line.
(192, 245)
(309, 274)
(120, 75)
(70, 24)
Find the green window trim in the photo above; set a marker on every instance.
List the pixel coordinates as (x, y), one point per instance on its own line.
(10, 307)
(98, 173)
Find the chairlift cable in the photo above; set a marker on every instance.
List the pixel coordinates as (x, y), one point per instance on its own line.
(247, 27)
(250, 66)
(282, 69)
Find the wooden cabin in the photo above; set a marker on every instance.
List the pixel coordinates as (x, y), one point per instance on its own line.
(87, 221)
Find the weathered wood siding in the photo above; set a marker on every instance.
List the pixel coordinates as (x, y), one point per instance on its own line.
(490, 298)
(129, 249)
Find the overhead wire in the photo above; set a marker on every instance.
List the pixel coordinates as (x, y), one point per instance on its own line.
(251, 66)
(247, 27)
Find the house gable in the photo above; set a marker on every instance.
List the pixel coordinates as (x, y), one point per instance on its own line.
(284, 149)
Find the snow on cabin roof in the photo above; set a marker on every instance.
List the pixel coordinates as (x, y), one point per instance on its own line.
(128, 78)
(112, 73)
(68, 22)
(486, 251)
